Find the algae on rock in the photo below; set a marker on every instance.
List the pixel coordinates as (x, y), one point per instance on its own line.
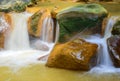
(75, 19)
(116, 28)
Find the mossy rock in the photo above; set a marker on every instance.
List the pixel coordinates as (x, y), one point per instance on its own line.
(6, 9)
(75, 19)
(35, 22)
(116, 28)
(17, 6)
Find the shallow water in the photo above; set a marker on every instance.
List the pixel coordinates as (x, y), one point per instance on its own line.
(38, 72)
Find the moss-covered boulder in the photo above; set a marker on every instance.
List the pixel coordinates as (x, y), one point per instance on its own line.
(116, 28)
(75, 55)
(114, 49)
(5, 24)
(17, 6)
(75, 19)
(35, 22)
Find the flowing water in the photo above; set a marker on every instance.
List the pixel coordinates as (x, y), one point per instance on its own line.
(3, 24)
(18, 51)
(18, 38)
(104, 63)
(19, 62)
(47, 30)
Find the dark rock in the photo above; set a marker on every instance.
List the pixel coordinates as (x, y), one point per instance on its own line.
(116, 28)
(114, 49)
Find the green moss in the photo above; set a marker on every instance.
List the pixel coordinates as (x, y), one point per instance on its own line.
(19, 7)
(75, 25)
(84, 8)
(116, 28)
(75, 19)
(34, 21)
(6, 10)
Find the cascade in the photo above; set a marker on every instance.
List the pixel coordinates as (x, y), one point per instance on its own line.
(47, 30)
(18, 38)
(3, 24)
(18, 52)
(45, 42)
(104, 63)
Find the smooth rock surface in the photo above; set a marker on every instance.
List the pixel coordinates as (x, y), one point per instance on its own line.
(76, 19)
(75, 55)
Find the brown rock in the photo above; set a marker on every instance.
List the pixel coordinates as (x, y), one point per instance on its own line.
(114, 49)
(35, 22)
(75, 55)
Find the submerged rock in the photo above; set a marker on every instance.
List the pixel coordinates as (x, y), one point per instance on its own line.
(35, 22)
(114, 49)
(75, 55)
(116, 28)
(79, 18)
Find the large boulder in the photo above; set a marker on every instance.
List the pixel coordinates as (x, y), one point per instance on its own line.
(114, 49)
(35, 22)
(5, 24)
(40, 25)
(75, 19)
(116, 27)
(75, 55)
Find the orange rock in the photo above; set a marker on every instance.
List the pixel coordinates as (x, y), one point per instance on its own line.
(32, 9)
(76, 55)
(35, 22)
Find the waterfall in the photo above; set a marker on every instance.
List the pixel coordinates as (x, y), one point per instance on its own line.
(47, 30)
(18, 38)
(45, 42)
(104, 62)
(3, 24)
(18, 52)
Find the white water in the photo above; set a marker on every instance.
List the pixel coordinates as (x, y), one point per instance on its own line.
(3, 24)
(104, 63)
(47, 35)
(47, 30)
(18, 38)
(17, 51)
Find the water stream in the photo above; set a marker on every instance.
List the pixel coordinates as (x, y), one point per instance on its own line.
(18, 51)
(104, 64)
(18, 38)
